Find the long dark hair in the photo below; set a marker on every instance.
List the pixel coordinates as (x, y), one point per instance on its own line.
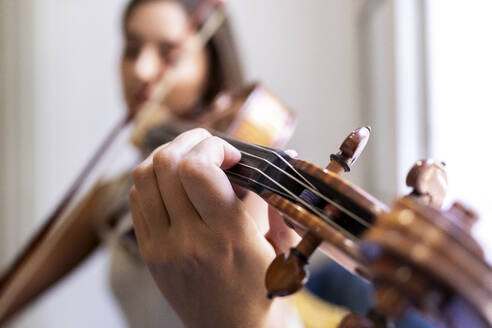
(225, 69)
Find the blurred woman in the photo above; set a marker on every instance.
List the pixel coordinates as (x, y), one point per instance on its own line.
(230, 241)
(153, 30)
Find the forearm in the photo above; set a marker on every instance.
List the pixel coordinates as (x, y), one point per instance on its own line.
(56, 255)
(43, 269)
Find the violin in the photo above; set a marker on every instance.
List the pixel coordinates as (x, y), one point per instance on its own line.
(416, 254)
(329, 212)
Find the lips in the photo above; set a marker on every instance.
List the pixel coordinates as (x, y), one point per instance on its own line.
(140, 97)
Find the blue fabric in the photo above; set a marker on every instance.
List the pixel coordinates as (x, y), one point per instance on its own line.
(336, 285)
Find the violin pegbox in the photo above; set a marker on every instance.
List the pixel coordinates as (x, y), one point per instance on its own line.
(339, 213)
(428, 180)
(423, 257)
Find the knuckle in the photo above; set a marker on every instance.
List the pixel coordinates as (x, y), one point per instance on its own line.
(158, 149)
(165, 158)
(213, 142)
(141, 172)
(215, 139)
(201, 132)
(192, 167)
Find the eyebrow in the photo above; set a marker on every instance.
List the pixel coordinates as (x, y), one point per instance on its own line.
(136, 37)
(132, 36)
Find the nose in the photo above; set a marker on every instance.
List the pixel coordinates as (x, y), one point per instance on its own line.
(148, 65)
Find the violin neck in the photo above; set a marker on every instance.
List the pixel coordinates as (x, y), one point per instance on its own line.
(256, 161)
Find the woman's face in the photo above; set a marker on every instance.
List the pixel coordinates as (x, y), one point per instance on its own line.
(152, 29)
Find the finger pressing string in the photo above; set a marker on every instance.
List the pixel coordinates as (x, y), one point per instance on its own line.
(165, 163)
(150, 199)
(202, 169)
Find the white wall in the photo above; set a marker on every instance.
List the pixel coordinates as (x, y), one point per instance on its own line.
(307, 52)
(63, 75)
(461, 102)
(16, 122)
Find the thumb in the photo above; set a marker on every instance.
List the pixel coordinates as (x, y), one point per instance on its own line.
(280, 235)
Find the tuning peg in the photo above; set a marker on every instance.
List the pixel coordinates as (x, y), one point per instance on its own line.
(350, 150)
(429, 182)
(288, 273)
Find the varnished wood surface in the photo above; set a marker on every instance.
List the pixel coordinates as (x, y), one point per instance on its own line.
(347, 253)
(422, 251)
(350, 195)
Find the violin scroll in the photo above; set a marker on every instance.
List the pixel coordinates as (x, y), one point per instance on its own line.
(423, 257)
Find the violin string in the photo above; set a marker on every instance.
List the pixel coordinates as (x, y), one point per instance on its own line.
(308, 185)
(313, 189)
(288, 165)
(253, 181)
(276, 154)
(303, 202)
(272, 189)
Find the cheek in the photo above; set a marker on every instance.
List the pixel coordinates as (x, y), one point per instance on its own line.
(125, 72)
(127, 78)
(191, 77)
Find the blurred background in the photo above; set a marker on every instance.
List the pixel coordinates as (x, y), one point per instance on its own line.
(419, 72)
